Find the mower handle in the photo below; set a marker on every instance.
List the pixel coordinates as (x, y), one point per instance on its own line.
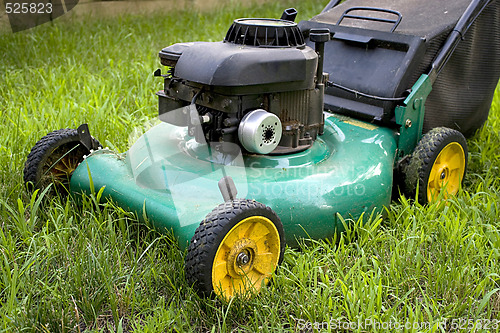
(330, 5)
(474, 9)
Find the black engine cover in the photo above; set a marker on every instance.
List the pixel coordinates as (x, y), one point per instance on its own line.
(239, 67)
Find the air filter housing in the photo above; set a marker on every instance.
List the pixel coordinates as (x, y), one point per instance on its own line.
(265, 33)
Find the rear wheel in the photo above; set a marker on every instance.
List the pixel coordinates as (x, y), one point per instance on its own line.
(236, 249)
(54, 158)
(437, 165)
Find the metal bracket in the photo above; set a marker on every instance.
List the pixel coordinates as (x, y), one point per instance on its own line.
(158, 73)
(85, 137)
(411, 116)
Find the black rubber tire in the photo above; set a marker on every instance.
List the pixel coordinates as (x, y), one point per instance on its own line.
(53, 150)
(418, 170)
(211, 232)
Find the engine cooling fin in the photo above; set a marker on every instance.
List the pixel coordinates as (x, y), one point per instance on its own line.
(265, 33)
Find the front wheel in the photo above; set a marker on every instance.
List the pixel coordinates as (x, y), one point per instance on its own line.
(438, 165)
(53, 159)
(236, 249)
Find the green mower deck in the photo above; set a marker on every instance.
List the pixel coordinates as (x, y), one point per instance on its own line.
(174, 182)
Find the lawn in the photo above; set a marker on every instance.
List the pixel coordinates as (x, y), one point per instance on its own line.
(68, 267)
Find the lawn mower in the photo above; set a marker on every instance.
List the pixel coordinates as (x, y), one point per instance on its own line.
(284, 131)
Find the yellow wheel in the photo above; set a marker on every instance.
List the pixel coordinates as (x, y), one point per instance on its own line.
(437, 165)
(447, 172)
(54, 158)
(236, 249)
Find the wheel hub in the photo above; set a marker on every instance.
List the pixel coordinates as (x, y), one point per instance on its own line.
(442, 179)
(241, 257)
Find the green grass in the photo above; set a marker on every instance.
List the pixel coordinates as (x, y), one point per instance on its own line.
(73, 267)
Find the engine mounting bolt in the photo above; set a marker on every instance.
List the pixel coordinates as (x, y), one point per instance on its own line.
(408, 123)
(243, 258)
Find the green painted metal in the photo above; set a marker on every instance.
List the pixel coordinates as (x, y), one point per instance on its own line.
(172, 181)
(411, 116)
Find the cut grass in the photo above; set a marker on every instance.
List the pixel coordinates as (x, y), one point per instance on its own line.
(92, 266)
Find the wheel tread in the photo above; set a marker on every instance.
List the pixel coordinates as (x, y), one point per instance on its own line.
(43, 148)
(417, 171)
(200, 251)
